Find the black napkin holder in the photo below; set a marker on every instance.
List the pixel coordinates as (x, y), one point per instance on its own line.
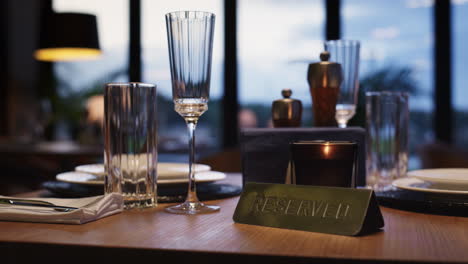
(266, 151)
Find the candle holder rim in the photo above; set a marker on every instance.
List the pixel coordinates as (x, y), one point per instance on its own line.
(323, 142)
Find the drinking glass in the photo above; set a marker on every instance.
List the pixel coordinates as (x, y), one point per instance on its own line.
(346, 53)
(190, 42)
(387, 117)
(130, 143)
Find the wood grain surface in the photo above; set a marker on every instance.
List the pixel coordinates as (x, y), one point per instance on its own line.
(407, 236)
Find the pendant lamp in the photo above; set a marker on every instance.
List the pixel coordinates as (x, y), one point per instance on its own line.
(68, 37)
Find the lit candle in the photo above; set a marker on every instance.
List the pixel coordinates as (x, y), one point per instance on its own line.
(324, 163)
(326, 149)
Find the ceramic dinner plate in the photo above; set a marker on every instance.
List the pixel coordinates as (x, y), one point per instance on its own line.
(166, 170)
(448, 176)
(95, 169)
(91, 179)
(415, 184)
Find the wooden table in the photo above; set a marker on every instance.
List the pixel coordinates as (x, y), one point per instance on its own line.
(158, 236)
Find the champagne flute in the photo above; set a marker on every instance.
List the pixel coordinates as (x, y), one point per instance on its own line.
(346, 53)
(190, 42)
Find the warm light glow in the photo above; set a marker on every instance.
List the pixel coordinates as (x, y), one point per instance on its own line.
(66, 54)
(326, 149)
(95, 109)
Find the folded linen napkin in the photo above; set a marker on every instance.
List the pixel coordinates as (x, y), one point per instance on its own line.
(89, 209)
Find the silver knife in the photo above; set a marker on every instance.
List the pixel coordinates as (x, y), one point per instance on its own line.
(27, 202)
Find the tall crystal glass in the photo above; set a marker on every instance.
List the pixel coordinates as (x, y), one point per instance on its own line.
(346, 53)
(190, 42)
(387, 118)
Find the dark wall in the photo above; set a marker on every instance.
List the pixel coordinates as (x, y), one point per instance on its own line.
(22, 25)
(3, 68)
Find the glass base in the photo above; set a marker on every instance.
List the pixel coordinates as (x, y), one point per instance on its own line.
(192, 208)
(147, 203)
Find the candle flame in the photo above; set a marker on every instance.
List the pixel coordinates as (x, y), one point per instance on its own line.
(326, 149)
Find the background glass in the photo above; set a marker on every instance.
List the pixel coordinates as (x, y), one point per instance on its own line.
(130, 142)
(190, 42)
(387, 138)
(346, 53)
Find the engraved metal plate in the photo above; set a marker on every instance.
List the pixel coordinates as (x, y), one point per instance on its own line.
(333, 210)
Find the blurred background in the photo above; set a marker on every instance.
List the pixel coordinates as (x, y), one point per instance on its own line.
(51, 111)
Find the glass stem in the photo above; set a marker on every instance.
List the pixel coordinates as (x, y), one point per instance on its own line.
(342, 125)
(192, 191)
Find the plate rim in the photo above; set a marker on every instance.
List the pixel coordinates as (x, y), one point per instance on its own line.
(93, 182)
(413, 173)
(398, 183)
(222, 176)
(205, 168)
(77, 169)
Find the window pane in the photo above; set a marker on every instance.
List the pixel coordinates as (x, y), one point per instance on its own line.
(396, 54)
(460, 70)
(78, 80)
(277, 40)
(156, 70)
(113, 28)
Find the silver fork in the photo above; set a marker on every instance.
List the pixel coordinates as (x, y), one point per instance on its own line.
(28, 202)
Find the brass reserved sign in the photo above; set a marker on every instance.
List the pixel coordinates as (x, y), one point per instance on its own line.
(333, 210)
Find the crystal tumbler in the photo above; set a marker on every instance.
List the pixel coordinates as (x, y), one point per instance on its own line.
(130, 131)
(387, 138)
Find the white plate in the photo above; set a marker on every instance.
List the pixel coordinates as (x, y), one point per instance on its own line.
(414, 184)
(91, 179)
(178, 170)
(449, 176)
(80, 177)
(96, 169)
(166, 170)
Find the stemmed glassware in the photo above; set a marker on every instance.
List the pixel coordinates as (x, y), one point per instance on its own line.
(190, 42)
(346, 53)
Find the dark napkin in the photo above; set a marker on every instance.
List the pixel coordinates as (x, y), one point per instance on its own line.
(422, 202)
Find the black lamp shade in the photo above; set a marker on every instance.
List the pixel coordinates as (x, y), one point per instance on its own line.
(67, 37)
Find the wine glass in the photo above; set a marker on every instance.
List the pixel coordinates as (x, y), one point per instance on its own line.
(346, 53)
(190, 42)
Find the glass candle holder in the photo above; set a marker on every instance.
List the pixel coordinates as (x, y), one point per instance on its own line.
(323, 163)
